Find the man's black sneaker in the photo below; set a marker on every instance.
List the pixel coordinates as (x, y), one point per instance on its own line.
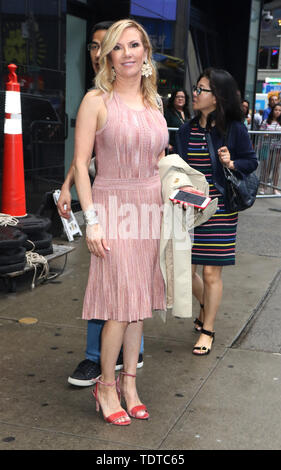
(140, 361)
(85, 374)
(119, 363)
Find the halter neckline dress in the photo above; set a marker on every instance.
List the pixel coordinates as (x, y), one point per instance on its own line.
(127, 285)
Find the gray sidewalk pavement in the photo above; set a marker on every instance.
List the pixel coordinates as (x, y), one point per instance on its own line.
(230, 399)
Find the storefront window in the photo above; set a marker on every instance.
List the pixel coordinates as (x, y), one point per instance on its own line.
(252, 53)
(159, 20)
(268, 57)
(274, 58)
(263, 57)
(33, 38)
(158, 9)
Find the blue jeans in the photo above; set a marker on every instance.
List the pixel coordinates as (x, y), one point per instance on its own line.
(94, 340)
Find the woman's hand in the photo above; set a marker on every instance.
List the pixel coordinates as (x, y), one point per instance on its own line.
(64, 203)
(225, 158)
(191, 189)
(95, 240)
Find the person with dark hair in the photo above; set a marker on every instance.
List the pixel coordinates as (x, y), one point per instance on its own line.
(273, 124)
(215, 138)
(176, 113)
(257, 120)
(89, 369)
(272, 100)
(96, 35)
(246, 112)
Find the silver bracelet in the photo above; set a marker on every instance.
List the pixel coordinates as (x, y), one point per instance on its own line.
(90, 217)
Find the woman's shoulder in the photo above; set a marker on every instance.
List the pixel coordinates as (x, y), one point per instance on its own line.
(94, 94)
(182, 135)
(182, 130)
(188, 124)
(239, 125)
(94, 99)
(239, 128)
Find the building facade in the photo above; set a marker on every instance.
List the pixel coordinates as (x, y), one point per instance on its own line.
(47, 41)
(269, 56)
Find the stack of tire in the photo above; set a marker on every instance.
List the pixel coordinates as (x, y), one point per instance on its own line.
(30, 234)
(38, 239)
(12, 249)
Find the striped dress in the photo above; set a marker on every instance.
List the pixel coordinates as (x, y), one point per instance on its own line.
(214, 241)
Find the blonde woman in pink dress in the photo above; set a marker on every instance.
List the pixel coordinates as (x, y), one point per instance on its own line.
(121, 119)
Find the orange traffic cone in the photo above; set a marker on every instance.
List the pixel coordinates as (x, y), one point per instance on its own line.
(13, 187)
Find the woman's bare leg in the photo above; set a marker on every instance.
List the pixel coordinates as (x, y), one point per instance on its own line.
(198, 290)
(131, 348)
(213, 288)
(112, 338)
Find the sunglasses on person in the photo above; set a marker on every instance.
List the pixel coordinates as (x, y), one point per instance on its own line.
(198, 90)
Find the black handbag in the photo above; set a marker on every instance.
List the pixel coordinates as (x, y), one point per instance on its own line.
(239, 190)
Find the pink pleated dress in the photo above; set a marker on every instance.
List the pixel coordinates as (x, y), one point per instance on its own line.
(127, 284)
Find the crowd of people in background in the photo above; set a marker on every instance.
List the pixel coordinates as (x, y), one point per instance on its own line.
(263, 119)
(177, 113)
(268, 147)
(269, 119)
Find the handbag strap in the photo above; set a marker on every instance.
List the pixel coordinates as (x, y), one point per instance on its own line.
(211, 150)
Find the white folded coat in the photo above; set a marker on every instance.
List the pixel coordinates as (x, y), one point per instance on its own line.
(175, 242)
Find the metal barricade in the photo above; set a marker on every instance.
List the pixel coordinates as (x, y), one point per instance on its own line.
(267, 145)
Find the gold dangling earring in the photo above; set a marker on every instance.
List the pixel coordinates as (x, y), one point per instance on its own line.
(113, 74)
(146, 69)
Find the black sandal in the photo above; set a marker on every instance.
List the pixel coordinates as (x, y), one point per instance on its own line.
(198, 322)
(203, 348)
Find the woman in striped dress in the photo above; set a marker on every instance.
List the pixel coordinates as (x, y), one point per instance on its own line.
(217, 106)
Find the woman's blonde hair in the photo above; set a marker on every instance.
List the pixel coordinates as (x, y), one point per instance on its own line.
(104, 80)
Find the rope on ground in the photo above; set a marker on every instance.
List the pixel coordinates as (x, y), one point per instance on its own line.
(6, 219)
(33, 260)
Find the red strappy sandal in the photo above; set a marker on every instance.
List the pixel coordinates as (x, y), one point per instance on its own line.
(114, 417)
(136, 409)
